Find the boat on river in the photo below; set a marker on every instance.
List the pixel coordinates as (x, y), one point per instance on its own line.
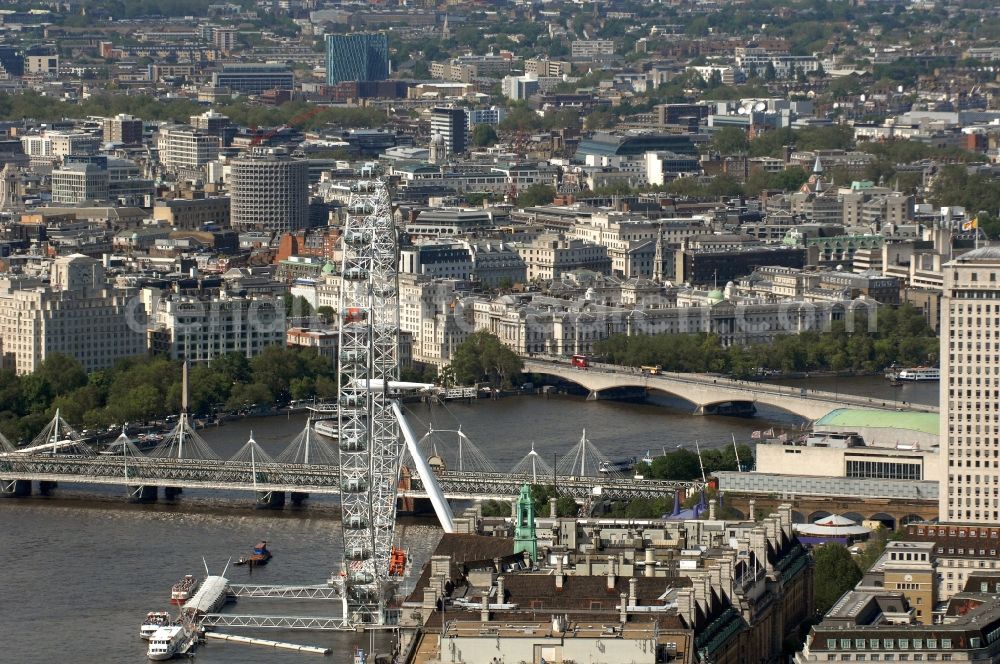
(182, 591)
(919, 374)
(154, 621)
(259, 556)
(169, 641)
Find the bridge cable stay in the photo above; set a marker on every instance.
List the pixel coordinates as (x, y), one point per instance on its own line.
(58, 436)
(124, 447)
(309, 449)
(251, 454)
(5, 445)
(463, 455)
(532, 464)
(183, 442)
(584, 460)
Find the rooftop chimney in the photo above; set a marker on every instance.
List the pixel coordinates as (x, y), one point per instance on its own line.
(484, 609)
(711, 509)
(785, 512)
(501, 591)
(752, 509)
(559, 572)
(685, 603)
(611, 574)
(632, 592)
(650, 567)
(622, 610)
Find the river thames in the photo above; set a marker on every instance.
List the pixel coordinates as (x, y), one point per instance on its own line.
(83, 567)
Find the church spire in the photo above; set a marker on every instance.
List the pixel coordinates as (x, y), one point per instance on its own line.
(818, 166)
(658, 257)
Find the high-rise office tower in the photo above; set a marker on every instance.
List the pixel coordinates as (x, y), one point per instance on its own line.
(451, 124)
(970, 388)
(124, 129)
(269, 191)
(357, 57)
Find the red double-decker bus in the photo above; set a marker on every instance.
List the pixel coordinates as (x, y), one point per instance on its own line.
(579, 361)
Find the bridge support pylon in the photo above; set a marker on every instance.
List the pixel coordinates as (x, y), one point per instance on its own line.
(46, 487)
(141, 494)
(17, 488)
(270, 500)
(593, 396)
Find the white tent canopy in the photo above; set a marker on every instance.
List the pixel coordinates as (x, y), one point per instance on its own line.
(832, 526)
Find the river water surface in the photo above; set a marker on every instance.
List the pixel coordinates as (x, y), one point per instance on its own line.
(81, 569)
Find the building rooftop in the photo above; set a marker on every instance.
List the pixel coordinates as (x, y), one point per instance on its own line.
(858, 417)
(980, 254)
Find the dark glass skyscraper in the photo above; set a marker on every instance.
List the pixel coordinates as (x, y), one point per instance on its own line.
(357, 57)
(11, 60)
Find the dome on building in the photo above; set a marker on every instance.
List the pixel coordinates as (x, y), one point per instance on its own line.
(716, 296)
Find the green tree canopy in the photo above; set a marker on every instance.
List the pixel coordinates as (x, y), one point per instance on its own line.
(730, 140)
(835, 574)
(536, 194)
(483, 358)
(484, 135)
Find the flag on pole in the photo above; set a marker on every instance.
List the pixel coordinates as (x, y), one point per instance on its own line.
(769, 433)
(755, 435)
(971, 224)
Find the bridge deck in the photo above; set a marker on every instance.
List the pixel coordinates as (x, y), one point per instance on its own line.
(705, 389)
(242, 476)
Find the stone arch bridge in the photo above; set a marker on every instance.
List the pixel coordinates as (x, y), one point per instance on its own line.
(707, 391)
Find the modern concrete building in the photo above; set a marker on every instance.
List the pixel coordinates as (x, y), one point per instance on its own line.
(588, 48)
(76, 183)
(123, 129)
(269, 191)
(202, 326)
(970, 383)
(444, 260)
(185, 149)
(76, 314)
(450, 125)
(253, 78)
(101, 180)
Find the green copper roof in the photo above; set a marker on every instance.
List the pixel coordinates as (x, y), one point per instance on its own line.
(859, 417)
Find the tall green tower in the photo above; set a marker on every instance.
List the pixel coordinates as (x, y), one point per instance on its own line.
(524, 528)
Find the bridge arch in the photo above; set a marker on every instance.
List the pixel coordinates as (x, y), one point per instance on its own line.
(659, 390)
(775, 403)
(888, 521)
(582, 378)
(853, 516)
(798, 517)
(702, 394)
(911, 518)
(817, 515)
